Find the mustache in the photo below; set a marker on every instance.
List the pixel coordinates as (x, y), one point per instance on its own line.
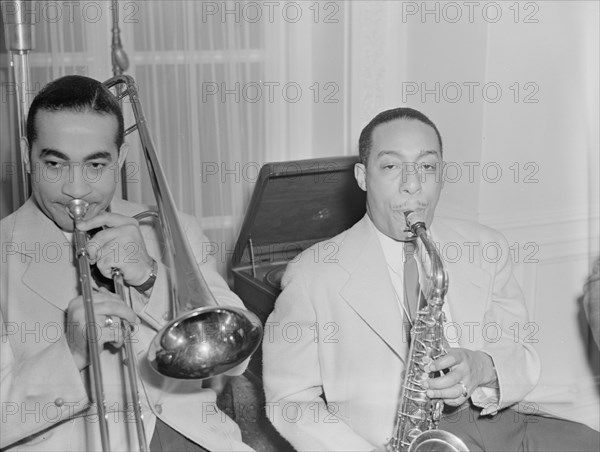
(411, 206)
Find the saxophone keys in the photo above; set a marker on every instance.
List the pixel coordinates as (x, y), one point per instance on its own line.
(418, 415)
(420, 397)
(420, 378)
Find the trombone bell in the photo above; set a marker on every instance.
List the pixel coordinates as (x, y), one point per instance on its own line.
(204, 343)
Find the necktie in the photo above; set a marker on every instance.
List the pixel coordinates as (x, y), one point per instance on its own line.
(411, 279)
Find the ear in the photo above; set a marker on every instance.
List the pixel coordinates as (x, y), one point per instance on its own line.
(25, 154)
(123, 151)
(360, 174)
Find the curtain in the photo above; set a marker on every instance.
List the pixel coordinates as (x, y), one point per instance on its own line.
(196, 73)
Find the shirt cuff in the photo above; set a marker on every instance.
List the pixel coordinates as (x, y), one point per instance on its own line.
(488, 399)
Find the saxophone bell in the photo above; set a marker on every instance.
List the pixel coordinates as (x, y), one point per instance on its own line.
(437, 441)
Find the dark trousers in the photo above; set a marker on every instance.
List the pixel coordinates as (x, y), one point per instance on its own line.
(509, 430)
(165, 439)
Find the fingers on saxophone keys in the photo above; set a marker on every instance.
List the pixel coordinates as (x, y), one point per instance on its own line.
(463, 395)
(446, 387)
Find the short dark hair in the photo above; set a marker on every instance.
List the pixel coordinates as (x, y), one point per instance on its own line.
(79, 94)
(366, 136)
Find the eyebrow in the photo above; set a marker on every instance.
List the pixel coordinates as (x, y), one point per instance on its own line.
(399, 154)
(47, 152)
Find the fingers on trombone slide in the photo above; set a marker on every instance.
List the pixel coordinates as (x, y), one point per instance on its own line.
(113, 328)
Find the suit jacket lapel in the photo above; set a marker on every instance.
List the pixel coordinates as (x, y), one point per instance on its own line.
(465, 278)
(369, 291)
(50, 271)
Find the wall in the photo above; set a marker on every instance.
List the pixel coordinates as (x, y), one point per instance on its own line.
(525, 139)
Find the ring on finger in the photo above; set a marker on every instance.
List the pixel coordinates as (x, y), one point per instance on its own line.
(109, 321)
(464, 392)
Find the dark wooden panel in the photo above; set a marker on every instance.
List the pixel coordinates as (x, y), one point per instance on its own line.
(294, 205)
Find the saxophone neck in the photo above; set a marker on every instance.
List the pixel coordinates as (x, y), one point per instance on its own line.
(438, 277)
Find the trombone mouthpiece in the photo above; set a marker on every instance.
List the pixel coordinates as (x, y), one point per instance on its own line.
(77, 208)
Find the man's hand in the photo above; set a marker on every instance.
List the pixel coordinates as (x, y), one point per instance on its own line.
(468, 370)
(120, 245)
(106, 327)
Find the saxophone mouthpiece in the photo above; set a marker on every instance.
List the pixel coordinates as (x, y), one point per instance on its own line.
(414, 216)
(414, 219)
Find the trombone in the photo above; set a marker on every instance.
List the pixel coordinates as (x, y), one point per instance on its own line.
(77, 209)
(203, 342)
(209, 339)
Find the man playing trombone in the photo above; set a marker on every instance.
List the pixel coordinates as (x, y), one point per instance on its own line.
(73, 150)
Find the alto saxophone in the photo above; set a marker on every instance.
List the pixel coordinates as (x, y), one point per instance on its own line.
(415, 426)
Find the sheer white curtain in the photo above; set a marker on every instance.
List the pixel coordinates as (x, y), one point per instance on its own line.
(196, 74)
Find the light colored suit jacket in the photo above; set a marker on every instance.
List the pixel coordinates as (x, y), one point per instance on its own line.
(333, 351)
(44, 397)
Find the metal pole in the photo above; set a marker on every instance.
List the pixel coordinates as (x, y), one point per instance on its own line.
(19, 41)
(120, 63)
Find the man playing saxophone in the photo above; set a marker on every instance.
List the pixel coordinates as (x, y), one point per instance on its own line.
(74, 150)
(336, 344)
